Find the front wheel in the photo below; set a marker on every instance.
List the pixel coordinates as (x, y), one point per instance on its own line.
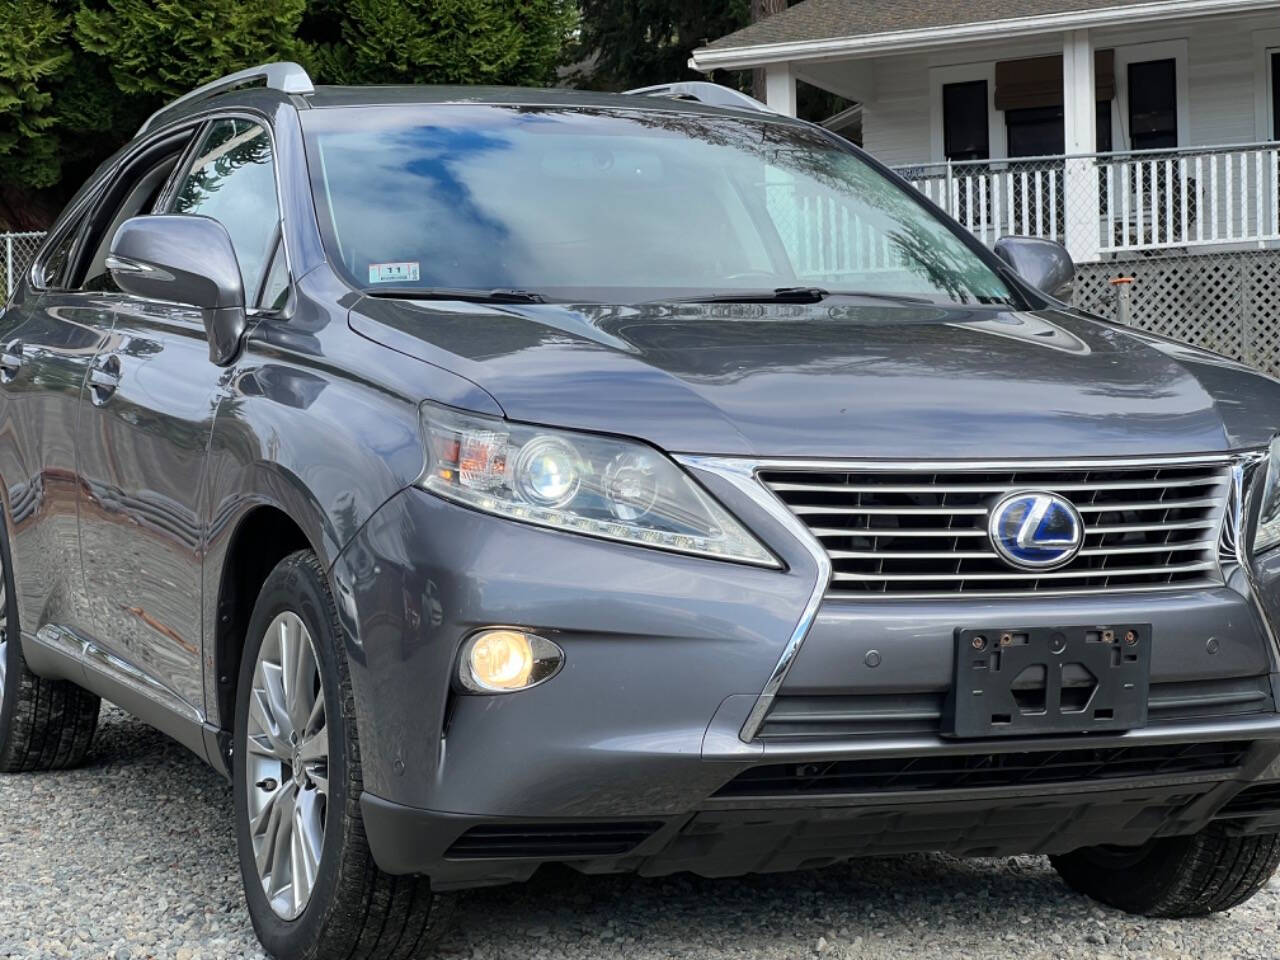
(1207, 872)
(312, 887)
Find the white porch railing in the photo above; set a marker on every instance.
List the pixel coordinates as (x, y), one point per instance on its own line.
(1112, 203)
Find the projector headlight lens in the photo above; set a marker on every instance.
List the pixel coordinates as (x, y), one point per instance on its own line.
(581, 483)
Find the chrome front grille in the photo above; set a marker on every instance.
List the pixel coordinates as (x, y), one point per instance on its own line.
(907, 530)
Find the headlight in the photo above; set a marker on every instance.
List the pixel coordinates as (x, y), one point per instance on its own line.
(1267, 533)
(580, 483)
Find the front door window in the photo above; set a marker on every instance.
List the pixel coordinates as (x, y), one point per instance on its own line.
(965, 134)
(1153, 105)
(233, 181)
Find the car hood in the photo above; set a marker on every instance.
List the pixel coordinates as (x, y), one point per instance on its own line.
(840, 381)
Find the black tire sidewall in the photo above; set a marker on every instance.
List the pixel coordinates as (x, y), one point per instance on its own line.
(294, 586)
(14, 666)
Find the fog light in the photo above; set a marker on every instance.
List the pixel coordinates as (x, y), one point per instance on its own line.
(505, 660)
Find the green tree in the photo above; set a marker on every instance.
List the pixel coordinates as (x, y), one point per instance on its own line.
(33, 57)
(162, 48)
(634, 43)
(440, 41)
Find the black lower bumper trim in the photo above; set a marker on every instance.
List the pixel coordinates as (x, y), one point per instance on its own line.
(967, 771)
(574, 840)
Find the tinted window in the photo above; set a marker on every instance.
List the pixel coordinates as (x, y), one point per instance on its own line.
(1275, 96)
(1035, 131)
(53, 266)
(138, 197)
(579, 203)
(233, 181)
(964, 121)
(1153, 104)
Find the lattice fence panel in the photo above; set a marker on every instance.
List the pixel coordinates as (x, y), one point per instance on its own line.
(1262, 311)
(1227, 302)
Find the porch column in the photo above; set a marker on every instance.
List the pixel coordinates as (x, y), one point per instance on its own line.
(780, 88)
(1083, 211)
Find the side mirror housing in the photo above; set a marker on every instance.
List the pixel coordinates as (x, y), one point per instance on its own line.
(1044, 264)
(187, 260)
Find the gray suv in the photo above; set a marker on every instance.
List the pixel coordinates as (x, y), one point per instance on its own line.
(488, 478)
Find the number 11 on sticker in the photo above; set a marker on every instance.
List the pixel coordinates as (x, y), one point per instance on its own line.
(403, 272)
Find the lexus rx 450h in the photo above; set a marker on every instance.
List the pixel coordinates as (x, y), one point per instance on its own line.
(488, 478)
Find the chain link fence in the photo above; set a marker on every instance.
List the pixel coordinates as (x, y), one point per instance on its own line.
(19, 250)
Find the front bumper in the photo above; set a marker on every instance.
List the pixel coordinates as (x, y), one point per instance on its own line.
(666, 656)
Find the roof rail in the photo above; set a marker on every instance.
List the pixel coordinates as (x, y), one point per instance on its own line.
(704, 91)
(285, 76)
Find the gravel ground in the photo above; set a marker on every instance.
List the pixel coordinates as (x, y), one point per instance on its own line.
(132, 857)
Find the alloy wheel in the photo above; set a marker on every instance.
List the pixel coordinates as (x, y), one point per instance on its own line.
(287, 765)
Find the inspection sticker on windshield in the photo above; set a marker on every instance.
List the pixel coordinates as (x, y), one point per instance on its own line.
(406, 272)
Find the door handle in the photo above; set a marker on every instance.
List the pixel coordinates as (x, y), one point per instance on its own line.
(11, 358)
(104, 377)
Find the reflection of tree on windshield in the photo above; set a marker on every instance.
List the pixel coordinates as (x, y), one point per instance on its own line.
(924, 247)
(495, 196)
(231, 145)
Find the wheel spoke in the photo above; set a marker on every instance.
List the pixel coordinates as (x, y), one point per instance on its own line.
(307, 843)
(268, 736)
(302, 688)
(281, 878)
(319, 778)
(270, 829)
(315, 720)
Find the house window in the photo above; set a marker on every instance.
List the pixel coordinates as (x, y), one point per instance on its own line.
(1035, 131)
(1153, 105)
(1041, 131)
(965, 135)
(1275, 95)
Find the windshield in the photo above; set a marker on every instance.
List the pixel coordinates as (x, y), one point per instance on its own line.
(621, 205)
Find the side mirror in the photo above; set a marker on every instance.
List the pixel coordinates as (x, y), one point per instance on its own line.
(1044, 264)
(187, 260)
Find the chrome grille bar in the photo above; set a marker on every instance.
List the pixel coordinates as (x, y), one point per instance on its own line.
(904, 530)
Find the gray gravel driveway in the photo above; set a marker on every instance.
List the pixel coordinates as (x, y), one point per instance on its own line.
(133, 856)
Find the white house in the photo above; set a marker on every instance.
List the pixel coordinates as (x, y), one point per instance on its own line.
(1127, 130)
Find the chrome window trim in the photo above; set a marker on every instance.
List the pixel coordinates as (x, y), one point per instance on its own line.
(743, 474)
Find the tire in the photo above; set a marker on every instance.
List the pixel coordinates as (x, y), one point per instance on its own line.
(1175, 877)
(353, 910)
(44, 724)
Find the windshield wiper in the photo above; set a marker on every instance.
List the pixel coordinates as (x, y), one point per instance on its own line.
(795, 295)
(496, 295)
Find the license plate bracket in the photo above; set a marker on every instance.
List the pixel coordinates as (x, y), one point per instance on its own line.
(1023, 681)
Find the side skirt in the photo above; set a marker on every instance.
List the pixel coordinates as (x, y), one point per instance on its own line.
(58, 653)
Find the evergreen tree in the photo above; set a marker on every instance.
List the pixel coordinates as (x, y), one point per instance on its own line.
(441, 41)
(33, 58)
(77, 77)
(162, 48)
(635, 43)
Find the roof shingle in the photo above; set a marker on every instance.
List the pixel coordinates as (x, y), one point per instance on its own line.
(824, 19)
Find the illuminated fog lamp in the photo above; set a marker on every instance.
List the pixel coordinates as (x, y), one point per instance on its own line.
(504, 660)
